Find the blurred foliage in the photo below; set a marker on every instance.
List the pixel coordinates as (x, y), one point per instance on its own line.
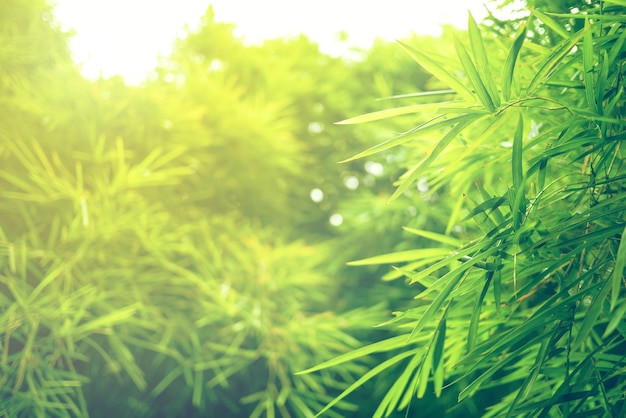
(160, 254)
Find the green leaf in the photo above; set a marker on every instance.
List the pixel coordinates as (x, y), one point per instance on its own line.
(440, 340)
(366, 377)
(52, 275)
(463, 122)
(616, 49)
(439, 71)
(492, 204)
(511, 59)
(519, 205)
(451, 280)
(601, 82)
(108, 320)
(552, 60)
(378, 347)
(399, 387)
(419, 94)
(444, 239)
(486, 375)
(591, 317)
(551, 23)
(588, 66)
(616, 319)
(497, 287)
(617, 278)
(475, 317)
(482, 61)
(402, 256)
(398, 111)
(474, 77)
(404, 137)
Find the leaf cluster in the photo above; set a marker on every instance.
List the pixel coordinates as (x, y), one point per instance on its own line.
(522, 314)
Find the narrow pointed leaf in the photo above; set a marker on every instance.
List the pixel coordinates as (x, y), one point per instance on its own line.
(474, 77)
(549, 64)
(511, 59)
(588, 66)
(428, 93)
(444, 239)
(591, 318)
(616, 49)
(474, 318)
(463, 122)
(617, 278)
(482, 61)
(432, 124)
(402, 256)
(397, 111)
(366, 377)
(518, 176)
(551, 23)
(378, 347)
(438, 71)
(451, 279)
(616, 318)
(497, 288)
(601, 83)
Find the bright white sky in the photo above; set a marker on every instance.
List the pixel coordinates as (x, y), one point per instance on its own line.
(125, 37)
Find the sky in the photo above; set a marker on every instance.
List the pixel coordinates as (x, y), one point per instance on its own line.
(125, 37)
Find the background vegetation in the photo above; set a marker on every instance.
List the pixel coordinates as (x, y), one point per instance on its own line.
(168, 250)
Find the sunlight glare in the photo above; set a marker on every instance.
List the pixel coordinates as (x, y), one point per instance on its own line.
(120, 37)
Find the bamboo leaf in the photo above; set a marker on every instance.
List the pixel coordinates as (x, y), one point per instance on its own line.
(438, 356)
(492, 204)
(591, 318)
(617, 278)
(588, 65)
(432, 124)
(451, 280)
(616, 319)
(438, 71)
(366, 377)
(475, 317)
(519, 206)
(444, 239)
(474, 77)
(50, 277)
(552, 60)
(517, 170)
(402, 256)
(594, 116)
(511, 59)
(616, 49)
(423, 375)
(419, 94)
(397, 111)
(497, 287)
(108, 320)
(463, 122)
(482, 61)
(477, 382)
(550, 23)
(398, 389)
(378, 347)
